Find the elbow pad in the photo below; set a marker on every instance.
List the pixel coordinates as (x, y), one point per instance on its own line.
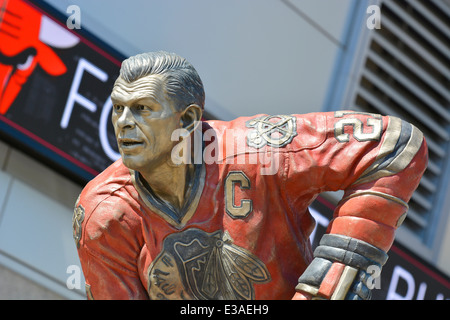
(339, 270)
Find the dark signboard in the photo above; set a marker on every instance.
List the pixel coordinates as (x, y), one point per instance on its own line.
(404, 276)
(55, 84)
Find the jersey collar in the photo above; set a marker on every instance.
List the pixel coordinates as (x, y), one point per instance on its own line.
(177, 218)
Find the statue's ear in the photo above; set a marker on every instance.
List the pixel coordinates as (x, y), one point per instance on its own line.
(191, 117)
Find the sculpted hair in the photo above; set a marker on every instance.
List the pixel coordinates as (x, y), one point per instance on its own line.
(183, 84)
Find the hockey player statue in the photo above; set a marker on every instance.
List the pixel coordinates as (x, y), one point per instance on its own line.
(219, 210)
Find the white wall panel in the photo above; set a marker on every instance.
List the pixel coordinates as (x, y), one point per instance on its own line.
(5, 181)
(42, 178)
(37, 231)
(330, 15)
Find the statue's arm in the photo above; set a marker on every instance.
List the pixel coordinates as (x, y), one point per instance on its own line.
(375, 203)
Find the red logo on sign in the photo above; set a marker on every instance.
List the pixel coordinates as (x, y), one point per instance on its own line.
(26, 40)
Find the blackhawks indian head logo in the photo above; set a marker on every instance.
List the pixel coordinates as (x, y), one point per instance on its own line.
(195, 264)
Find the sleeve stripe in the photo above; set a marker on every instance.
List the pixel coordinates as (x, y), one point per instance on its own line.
(402, 142)
(405, 157)
(405, 135)
(375, 193)
(391, 139)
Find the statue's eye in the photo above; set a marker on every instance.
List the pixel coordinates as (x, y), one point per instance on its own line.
(142, 108)
(118, 108)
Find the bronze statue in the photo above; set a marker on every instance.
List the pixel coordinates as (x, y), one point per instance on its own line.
(219, 210)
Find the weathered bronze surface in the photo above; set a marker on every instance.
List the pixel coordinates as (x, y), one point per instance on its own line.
(199, 209)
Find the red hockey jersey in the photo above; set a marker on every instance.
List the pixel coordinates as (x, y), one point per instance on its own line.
(244, 230)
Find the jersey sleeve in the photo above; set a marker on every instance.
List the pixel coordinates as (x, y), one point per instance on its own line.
(378, 161)
(109, 247)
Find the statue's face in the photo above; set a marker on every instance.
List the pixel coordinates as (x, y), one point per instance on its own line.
(144, 119)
